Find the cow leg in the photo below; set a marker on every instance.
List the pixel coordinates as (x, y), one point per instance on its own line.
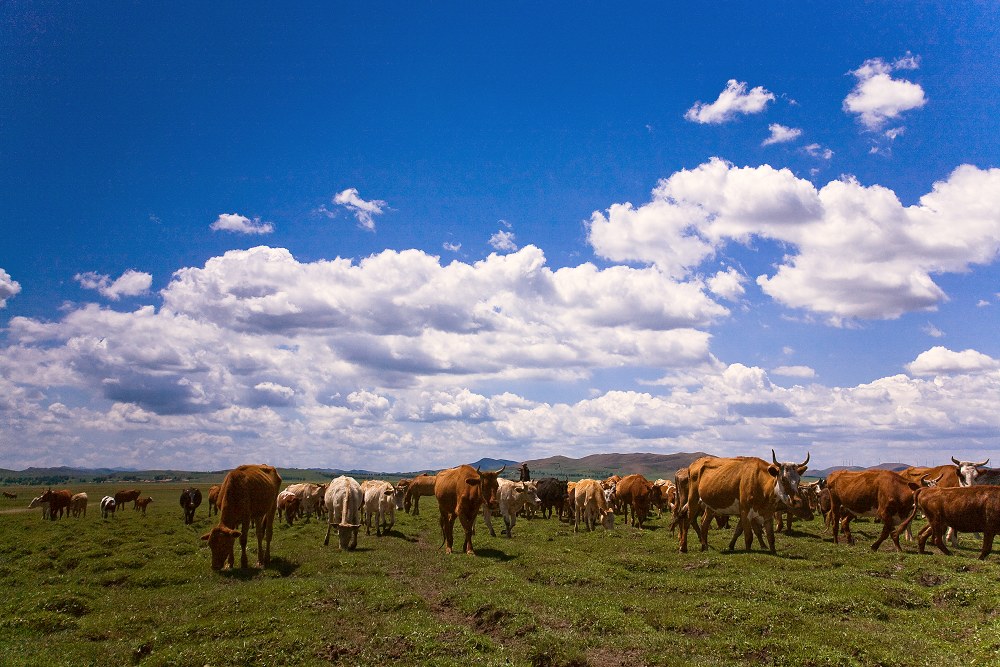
(416, 505)
(468, 526)
(243, 547)
(448, 530)
(510, 524)
(887, 526)
(488, 519)
(703, 530)
(329, 527)
(939, 541)
(922, 538)
(987, 544)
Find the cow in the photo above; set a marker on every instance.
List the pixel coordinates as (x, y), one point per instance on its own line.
(966, 508)
(344, 500)
(460, 493)
(882, 493)
(78, 504)
(570, 505)
(747, 486)
(127, 496)
(511, 497)
(38, 502)
(248, 497)
(108, 506)
(9, 495)
(666, 498)
(213, 498)
(288, 506)
(592, 506)
(59, 501)
(552, 494)
(637, 493)
(380, 504)
(190, 500)
(421, 485)
(141, 504)
(946, 475)
(809, 493)
(973, 474)
(310, 498)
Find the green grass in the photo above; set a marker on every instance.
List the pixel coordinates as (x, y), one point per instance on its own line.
(136, 590)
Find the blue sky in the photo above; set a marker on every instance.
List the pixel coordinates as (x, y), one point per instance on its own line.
(393, 237)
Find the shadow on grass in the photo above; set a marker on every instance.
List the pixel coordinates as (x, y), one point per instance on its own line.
(283, 566)
(494, 554)
(398, 535)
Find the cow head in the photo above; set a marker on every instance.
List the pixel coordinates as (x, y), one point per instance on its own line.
(608, 519)
(787, 476)
(531, 494)
(221, 540)
(347, 533)
(399, 494)
(488, 486)
(968, 471)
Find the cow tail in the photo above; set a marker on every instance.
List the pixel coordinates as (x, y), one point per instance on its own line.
(344, 507)
(906, 522)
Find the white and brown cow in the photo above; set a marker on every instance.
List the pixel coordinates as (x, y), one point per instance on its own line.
(512, 497)
(344, 500)
(976, 474)
(108, 506)
(310, 498)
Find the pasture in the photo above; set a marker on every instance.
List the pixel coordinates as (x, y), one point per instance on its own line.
(139, 590)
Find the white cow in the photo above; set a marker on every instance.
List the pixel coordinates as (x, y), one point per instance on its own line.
(38, 502)
(107, 506)
(380, 503)
(310, 498)
(592, 506)
(511, 497)
(344, 500)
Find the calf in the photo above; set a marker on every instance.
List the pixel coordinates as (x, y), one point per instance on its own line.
(78, 504)
(379, 504)
(592, 506)
(511, 497)
(344, 500)
(288, 506)
(142, 504)
(108, 506)
(213, 498)
(967, 509)
(38, 502)
(190, 500)
(248, 497)
(421, 485)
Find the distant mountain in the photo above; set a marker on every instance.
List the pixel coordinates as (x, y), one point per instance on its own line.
(599, 466)
(496, 464)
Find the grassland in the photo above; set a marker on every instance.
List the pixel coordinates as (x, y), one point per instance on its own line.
(134, 590)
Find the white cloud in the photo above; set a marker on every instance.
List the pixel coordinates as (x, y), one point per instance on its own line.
(942, 361)
(853, 251)
(240, 224)
(8, 287)
(728, 284)
(781, 134)
(452, 247)
(878, 98)
(932, 331)
(130, 283)
(503, 241)
(816, 150)
(794, 371)
(364, 211)
(733, 100)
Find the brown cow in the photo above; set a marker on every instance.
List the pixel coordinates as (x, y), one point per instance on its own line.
(421, 485)
(128, 496)
(248, 497)
(142, 504)
(213, 498)
(638, 493)
(10, 496)
(748, 486)
(460, 493)
(58, 501)
(967, 508)
(882, 493)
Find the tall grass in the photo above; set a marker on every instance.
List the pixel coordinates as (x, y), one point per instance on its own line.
(134, 590)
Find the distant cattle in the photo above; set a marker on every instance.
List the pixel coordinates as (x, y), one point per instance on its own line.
(882, 493)
(108, 506)
(127, 496)
(460, 493)
(636, 493)
(288, 506)
(78, 504)
(213, 498)
(10, 496)
(966, 508)
(190, 500)
(248, 497)
(38, 502)
(379, 505)
(59, 502)
(511, 498)
(421, 485)
(310, 497)
(552, 495)
(344, 500)
(666, 497)
(141, 504)
(591, 506)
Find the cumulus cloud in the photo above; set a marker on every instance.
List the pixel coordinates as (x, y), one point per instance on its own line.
(8, 287)
(503, 241)
(942, 361)
(130, 283)
(854, 251)
(364, 211)
(781, 134)
(816, 150)
(240, 224)
(733, 100)
(794, 371)
(878, 98)
(728, 284)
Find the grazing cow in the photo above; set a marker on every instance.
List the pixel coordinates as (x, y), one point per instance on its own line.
(591, 505)
(248, 497)
(78, 504)
(976, 474)
(882, 493)
(511, 498)
(190, 500)
(38, 502)
(59, 501)
(213, 498)
(666, 498)
(380, 504)
(970, 509)
(421, 485)
(142, 504)
(638, 493)
(108, 506)
(127, 496)
(344, 500)
(10, 496)
(552, 494)
(288, 506)
(460, 493)
(747, 486)
(310, 498)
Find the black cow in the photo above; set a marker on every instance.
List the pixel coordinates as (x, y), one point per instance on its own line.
(190, 500)
(553, 494)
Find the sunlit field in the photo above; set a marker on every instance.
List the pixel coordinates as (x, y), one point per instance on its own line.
(139, 590)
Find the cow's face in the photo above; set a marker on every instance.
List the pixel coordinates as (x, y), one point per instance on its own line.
(221, 540)
(608, 519)
(347, 534)
(968, 471)
(488, 487)
(531, 489)
(787, 477)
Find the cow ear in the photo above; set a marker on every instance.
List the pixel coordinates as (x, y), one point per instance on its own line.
(773, 470)
(472, 482)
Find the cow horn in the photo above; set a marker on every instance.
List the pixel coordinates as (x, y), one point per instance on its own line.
(774, 458)
(501, 469)
(980, 465)
(806, 462)
(956, 462)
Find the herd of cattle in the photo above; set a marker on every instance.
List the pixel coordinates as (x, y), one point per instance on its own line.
(962, 496)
